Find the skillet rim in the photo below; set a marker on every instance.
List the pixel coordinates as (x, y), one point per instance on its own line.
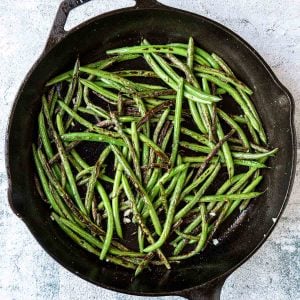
(243, 43)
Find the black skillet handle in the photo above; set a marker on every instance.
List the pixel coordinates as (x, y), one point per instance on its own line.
(58, 32)
(147, 4)
(210, 291)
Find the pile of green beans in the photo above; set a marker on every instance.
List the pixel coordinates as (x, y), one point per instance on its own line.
(148, 155)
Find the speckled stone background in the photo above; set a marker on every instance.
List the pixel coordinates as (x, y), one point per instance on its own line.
(271, 27)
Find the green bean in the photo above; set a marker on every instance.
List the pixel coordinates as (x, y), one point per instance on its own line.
(212, 229)
(195, 147)
(258, 148)
(135, 73)
(202, 108)
(65, 211)
(241, 155)
(144, 49)
(135, 140)
(189, 92)
(223, 65)
(193, 107)
(170, 215)
(76, 105)
(198, 51)
(63, 176)
(110, 220)
(235, 126)
(187, 236)
(63, 158)
(44, 181)
(251, 106)
(108, 84)
(72, 87)
(166, 177)
(44, 136)
(198, 137)
(143, 264)
(248, 189)
(102, 64)
(217, 198)
(156, 172)
(225, 149)
(53, 181)
(253, 146)
(151, 144)
(239, 119)
(93, 111)
(139, 187)
(224, 78)
(82, 173)
(96, 242)
(111, 76)
(115, 198)
(196, 116)
(252, 131)
(169, 189)
(115, 85)
(83, 181)
(241, 181)
(153, 111)
(182, 212)
(188, 229)
(130, 147)
(39, 189)
(141, 239)
(53, 104)
(83, 164)
(156, 133)
(106, 93)
(79, 160)
(184, 68)
(90, 106)
(93, 180)
(163, 196)
(161, 94)
(83, 243)
(190, 53)
(202, 239)
(215, 150)
(212, 112)
(249, 163)
(238, 148)
(220, 91)
(146, 86)
(199, 180)
(235, 95)
(255, 182)
(91, 137)
(195, 160)
(143, 227)
(146, 128)
(211, 207)
(177, 122)
(167, 192)
(87, 124)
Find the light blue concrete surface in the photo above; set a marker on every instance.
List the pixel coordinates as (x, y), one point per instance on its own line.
(271, 27)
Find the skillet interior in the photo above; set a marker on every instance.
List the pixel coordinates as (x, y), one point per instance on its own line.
(161, 26)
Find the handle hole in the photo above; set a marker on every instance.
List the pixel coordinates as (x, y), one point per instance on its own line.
(92, 9)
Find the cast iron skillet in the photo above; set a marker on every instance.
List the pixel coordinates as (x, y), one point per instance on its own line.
(203, 276)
